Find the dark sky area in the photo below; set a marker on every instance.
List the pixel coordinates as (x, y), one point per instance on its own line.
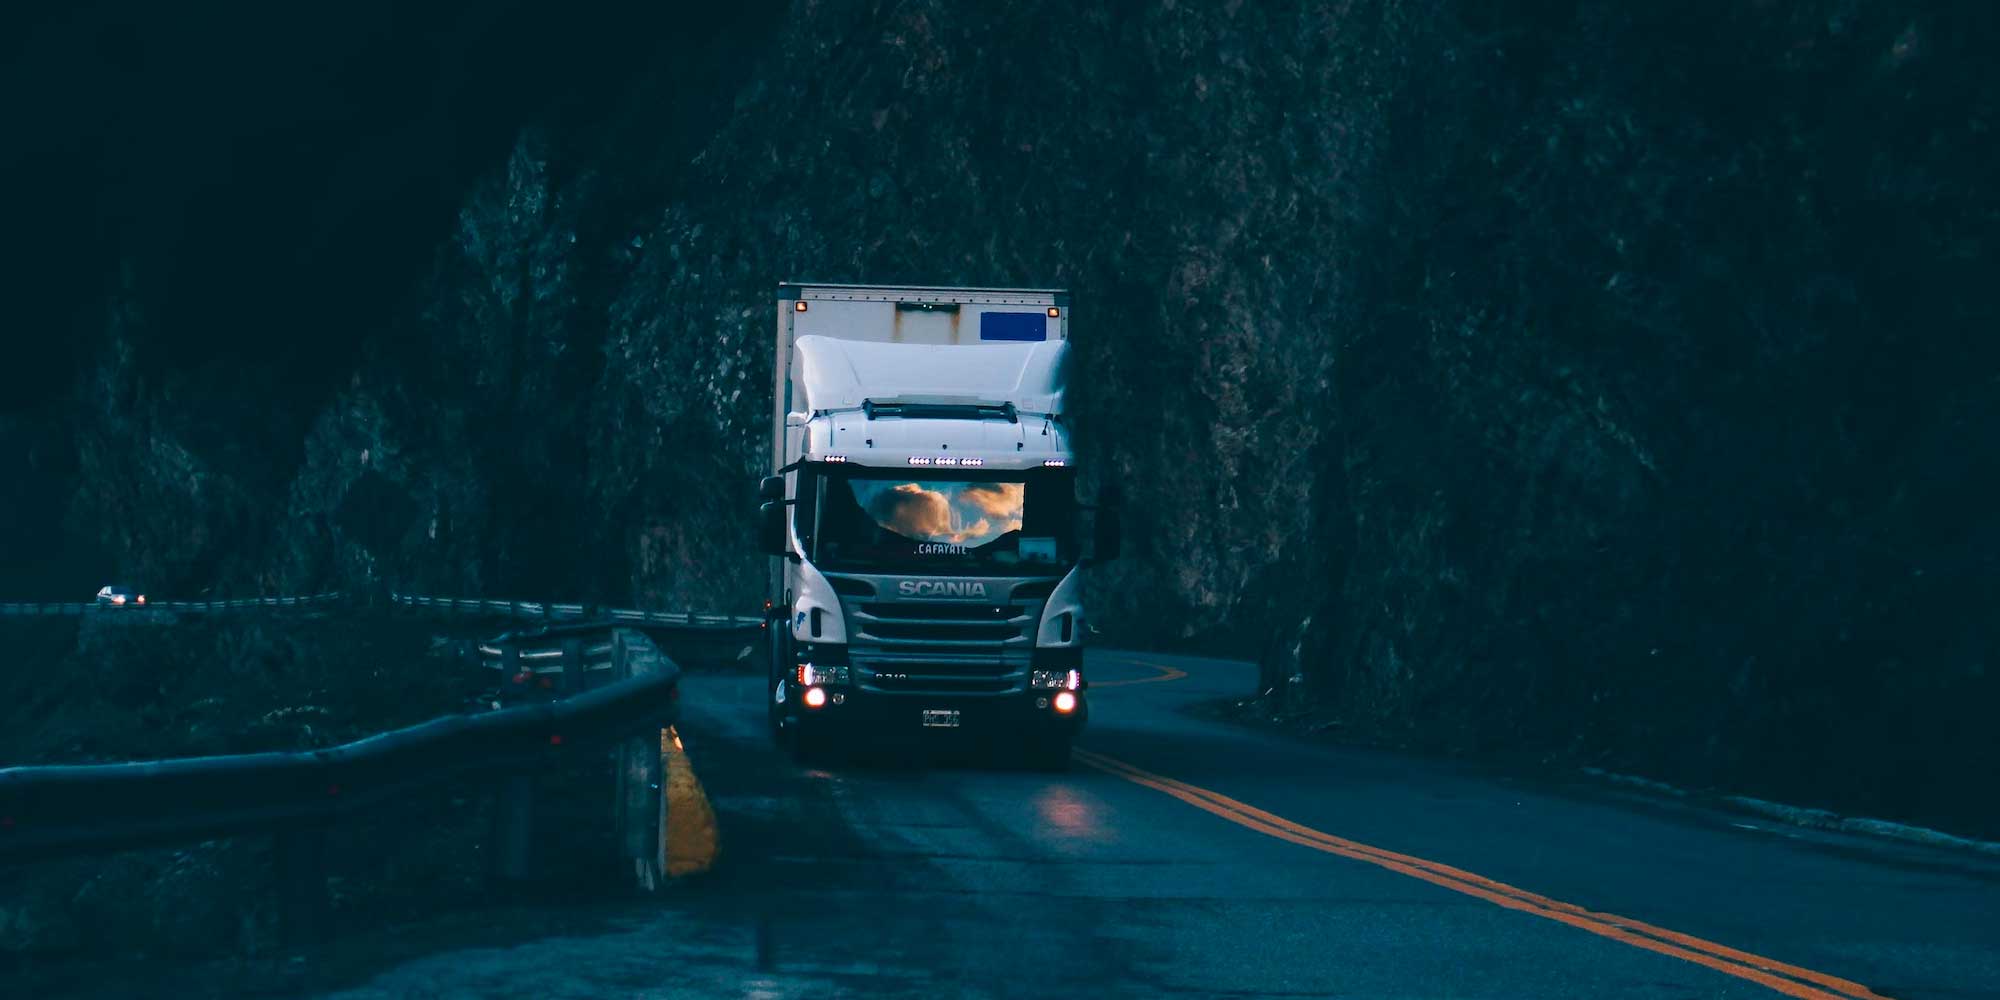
(273, 180)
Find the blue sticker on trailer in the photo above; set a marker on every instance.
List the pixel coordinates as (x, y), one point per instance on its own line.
(1013, 326)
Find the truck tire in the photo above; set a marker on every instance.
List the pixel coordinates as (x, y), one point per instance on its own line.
(780, 648)
(1049, 753)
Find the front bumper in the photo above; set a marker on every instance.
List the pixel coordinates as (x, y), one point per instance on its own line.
(1014, 714)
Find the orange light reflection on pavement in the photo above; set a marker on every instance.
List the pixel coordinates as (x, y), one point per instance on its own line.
(1064, 810)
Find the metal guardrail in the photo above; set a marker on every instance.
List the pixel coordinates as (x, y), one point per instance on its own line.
(77, 809)
(525, 610)
(536, 610)
(70, 608)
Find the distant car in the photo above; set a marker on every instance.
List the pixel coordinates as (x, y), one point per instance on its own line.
(117, 596)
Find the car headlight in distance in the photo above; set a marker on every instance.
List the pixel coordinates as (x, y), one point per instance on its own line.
(1068, 680)
(810, 674)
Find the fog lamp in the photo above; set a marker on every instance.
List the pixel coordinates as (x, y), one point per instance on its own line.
(1069, 679)
(1065, 702)
(810, 674)
(815, 697)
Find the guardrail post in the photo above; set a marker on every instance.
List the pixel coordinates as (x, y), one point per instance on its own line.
(514, 827)
(299, 854)
(641, 803)
(513, 801)
(573, 667)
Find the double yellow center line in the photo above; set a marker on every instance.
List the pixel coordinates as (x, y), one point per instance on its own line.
(1790, 980)
(1166, 673)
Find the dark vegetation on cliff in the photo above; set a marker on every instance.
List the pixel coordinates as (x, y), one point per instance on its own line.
(112, 688)
(103, 690)
(1603, 381)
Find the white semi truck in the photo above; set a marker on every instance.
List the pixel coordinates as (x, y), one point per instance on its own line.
(923, 519)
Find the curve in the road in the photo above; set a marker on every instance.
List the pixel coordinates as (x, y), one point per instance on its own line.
(1166, 673)
(1791, 980)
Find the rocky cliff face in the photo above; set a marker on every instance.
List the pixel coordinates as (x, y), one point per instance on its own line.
(1541, 375)
(1183, 179)
(1667, 423)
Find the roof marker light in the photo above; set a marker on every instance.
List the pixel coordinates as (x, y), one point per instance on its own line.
(799, 306)
(835, 458)
(919, 460)
(1054, 312)
(1054, 463)
(972, 461)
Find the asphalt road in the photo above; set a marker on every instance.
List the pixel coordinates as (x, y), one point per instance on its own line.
(1189, 857)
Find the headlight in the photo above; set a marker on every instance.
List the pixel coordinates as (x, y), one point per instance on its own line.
(810, 674)
(1068, 680)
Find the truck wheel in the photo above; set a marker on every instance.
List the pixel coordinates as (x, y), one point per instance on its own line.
(1050, 753)
(774, 706)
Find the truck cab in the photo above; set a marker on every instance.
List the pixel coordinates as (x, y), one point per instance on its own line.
(923, 520)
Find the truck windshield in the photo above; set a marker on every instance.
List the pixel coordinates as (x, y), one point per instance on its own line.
(1001, 523)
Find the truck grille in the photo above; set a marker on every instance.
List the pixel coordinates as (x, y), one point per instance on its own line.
(956, 627)
(935, 677)
(941, 612)
(929, 647)
(945, 631)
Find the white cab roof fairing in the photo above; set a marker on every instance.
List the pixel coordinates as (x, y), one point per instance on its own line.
(840, 374)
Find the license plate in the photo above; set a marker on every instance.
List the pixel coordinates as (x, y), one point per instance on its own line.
(941, 718)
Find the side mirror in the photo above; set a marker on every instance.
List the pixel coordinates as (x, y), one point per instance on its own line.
(1105, 545)
(771, 528)
(771, 488)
